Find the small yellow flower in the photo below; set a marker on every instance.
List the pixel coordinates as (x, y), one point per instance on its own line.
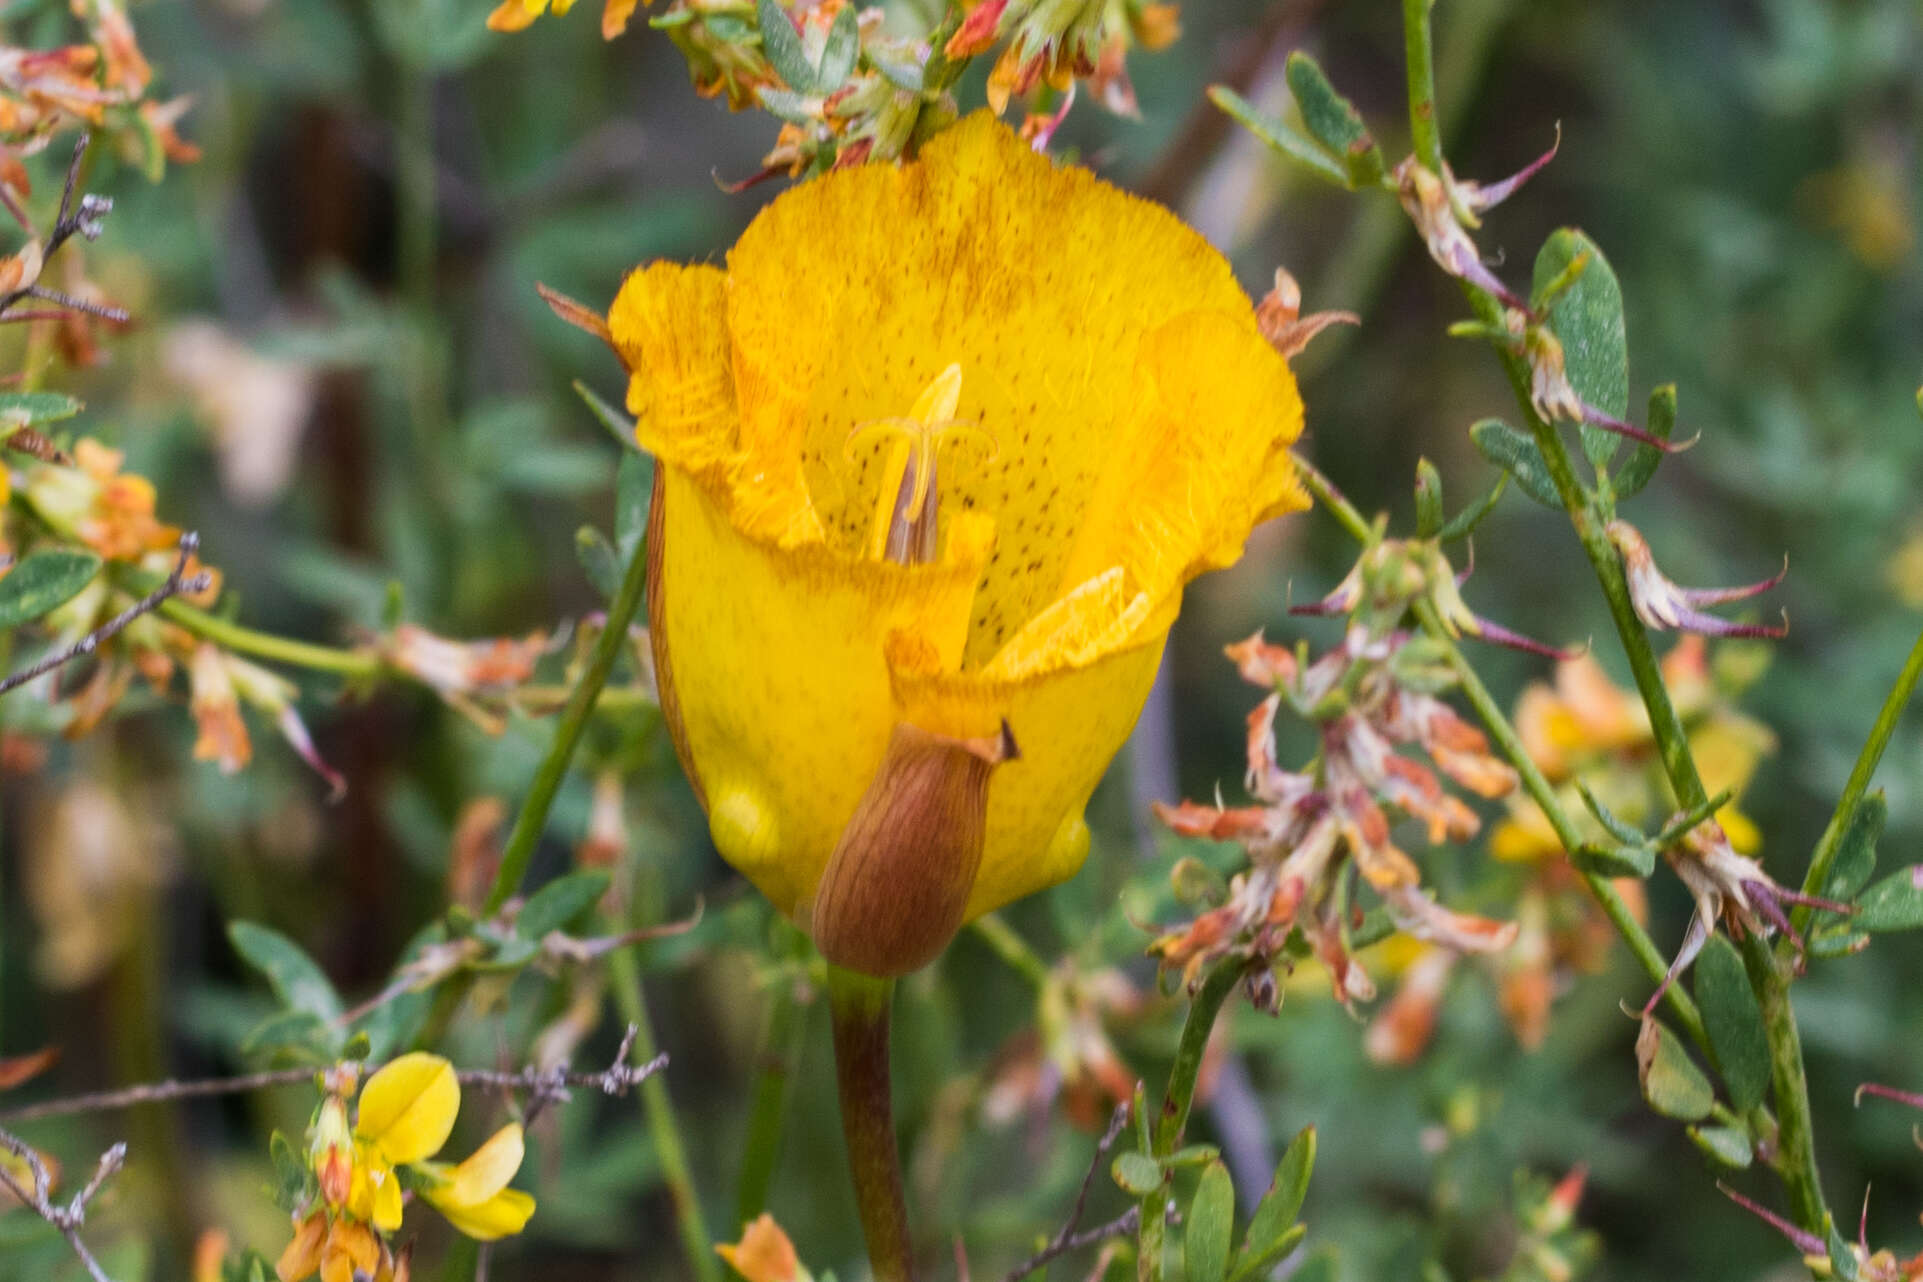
(969, 608)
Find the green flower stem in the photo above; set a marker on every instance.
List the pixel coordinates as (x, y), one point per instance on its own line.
(859, 1006)
(625, 972)
(567, 733)
(1419, 45)
(353, 664)
(780, 1057)
(1859, 781)
(1544, 795)
(1796, 1162)
(1010, 947)
(1345, 512)
(1177, 1099)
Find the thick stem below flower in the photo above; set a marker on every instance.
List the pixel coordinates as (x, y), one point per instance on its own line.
(859, 1006)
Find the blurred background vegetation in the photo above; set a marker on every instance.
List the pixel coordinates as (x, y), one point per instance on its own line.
(341, 376)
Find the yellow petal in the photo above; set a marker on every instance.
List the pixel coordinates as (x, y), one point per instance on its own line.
(302, 1256)
(407, 1108)
(1133, 426)
(780, 680)
(488, 1169)
(505, 1213)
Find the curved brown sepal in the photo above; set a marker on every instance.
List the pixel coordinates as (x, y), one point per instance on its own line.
(898, 881)
(655, 539)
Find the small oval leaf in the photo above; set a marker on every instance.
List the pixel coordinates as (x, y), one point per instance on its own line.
(1894, 903)
(1671, 1082)
(1211, 1221)
(1137, 1174)
(1517, 455)
(44, 582)
(1734, 1023)
(1587, 317)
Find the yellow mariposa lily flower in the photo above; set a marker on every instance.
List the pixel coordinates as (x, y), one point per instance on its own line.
(940, 447)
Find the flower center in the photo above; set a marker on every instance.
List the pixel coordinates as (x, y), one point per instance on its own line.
(908, 503)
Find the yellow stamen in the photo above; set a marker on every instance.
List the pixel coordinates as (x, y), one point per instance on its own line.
(906, 513)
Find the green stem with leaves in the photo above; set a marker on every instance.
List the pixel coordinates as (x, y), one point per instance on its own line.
(1824, 857)
(532, 819)
(1178, 1097)
(1767, 971)
(859, 1007)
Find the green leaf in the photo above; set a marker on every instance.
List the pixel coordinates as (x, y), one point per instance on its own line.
(838, 55)
(633, 490)
(1671, 1082)
(43, 582)
(1587, 316)
(781, 41)
(1464, 523)
(1428, 500)
(598, 560)
(1728, 1146)
(1842, 1255)
(1276, 1212)
(1734, 1023)
(1837, 939)
(1856, 850)
(1517, 455)
(1249, 1266)
(28, 409)
(559, 902)
(1137, 1174)
(1324, 1266)
(1334, 121)
(295, 978)
(1211, 1221)
(1643, 459)
(1894, 903)
(619, 425)
(299, 1035)
(1627, 833)
(1191, 1155)
(1279, 136)
(1625, 860)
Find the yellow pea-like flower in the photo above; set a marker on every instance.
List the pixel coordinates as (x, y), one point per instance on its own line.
(940, 447)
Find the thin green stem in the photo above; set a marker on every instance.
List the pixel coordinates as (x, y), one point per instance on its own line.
(1796, 1144)
(787, 1028)
(1544, 795)
(1347, 515)
(354, 664)
(1010, 947)
(859, 1005)
(1419, 45)
(625, 972)
(553, 770)
(1177, 1099)
(1859, 781)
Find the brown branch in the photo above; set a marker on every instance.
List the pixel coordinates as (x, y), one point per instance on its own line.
(177, 582)
(545, 1086)
(1068, 1239)
(67, 1219)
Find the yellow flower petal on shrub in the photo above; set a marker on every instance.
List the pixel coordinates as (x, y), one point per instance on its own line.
(407, 1109)
(488, 1169)
(506, 1213)
(1126, 424)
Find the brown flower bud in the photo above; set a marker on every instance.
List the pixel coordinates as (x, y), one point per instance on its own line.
(898, 881)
